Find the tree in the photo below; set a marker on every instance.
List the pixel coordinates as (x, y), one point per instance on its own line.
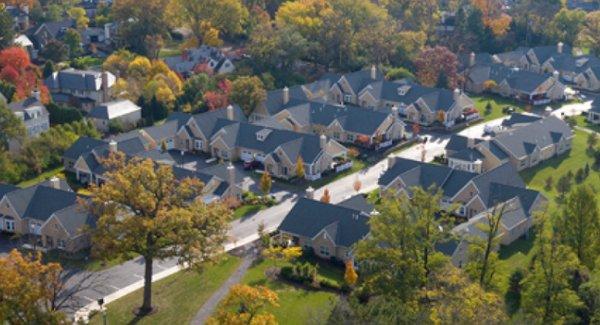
(515, 288)
(7, 33)
(244, 305)
(55, 51)
(326, 198)
(207, 19)
(248, 92)
(548, 296)
(137, 20)
(416, 15)
(580, 224)
(17, 71)
(563, 185)
(399, 73)
(48, 69)
(548, 183)
(300, 167)
(590, 33)
(10, 171)
(27, 290)
(592, 140)
(72, 39)
(81, 19)
(565, 26)
(350, 275)
(143, 208)
(266, 182)
(435, 62)
(12, 127)
(357, 185)
(483, 257)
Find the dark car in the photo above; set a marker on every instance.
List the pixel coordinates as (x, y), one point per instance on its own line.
(251, 165)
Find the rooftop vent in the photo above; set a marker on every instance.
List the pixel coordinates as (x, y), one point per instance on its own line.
(263, 134)
(403, 90)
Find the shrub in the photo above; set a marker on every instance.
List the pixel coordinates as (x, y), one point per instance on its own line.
(330, 284)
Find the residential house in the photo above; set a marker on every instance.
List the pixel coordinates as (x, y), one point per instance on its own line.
(523, 85)
(120, 114)
(279, 150)
(468, 193)
(82, 88)
(589, 79)
(329, 230)
(525, 141)
(214, 59)
(50, 31)
(33, 113)
(346, 124)
(594, 112)
(48, 214)
(20, 15)
(23, 41)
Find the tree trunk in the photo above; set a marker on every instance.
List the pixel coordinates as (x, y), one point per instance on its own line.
(147, 304)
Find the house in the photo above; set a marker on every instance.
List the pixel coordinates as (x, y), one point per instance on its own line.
(523, 85)
(346, 124)
(214, 59)
(81, 88)
(20, 15)
(123, 114)
(589, 79)
(525, 141)
(594, 112)
(279, 150)
(329, 230)
(369, 90)
(469, 193)
(50, 31)
(24, 42)
(48, 213)
(33, 113)
(85, 159)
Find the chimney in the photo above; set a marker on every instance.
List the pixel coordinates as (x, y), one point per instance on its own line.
(373, 72)
(472, 59)
(25, 10)
(456, 94)
(395, 111)
(310, 193)
(55, 183)
(323, 141)
(104, 86)
(231, 174)
(286, 95)
(559, 47)
(36, 94)
(112, 146)
(107, 33)
(556, 75)
(230, 113)
(391, 161)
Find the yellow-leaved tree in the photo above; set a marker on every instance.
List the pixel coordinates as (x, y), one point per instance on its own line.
(282, 254)
(350, 275)
(245, 305)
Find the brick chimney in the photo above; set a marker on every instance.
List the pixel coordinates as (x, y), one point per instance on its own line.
(55, 183)
(112, 146)
(36, 94)
(104, 86)
(456, 94)
(310, 193)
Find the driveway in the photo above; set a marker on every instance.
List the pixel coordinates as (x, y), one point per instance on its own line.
(7, 244)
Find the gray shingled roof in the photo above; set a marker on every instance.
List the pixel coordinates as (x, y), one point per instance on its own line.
(39, 202)
(358, 202)
(114, 109)
(6, 188)
(596, 105)
(75, 219)
(308, 218)
(208, 121)
(81, 146)
(459, 142)
(519, 118)
(75, 79)
(522, 141)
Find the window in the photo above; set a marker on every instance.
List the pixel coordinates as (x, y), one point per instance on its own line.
(198, 144)
(351, 137)
(324, 250)
(10, 225)
(336, 135)
(347, 98)
(60, 243)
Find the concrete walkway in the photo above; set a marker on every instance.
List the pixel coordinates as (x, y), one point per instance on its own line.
(212, 303)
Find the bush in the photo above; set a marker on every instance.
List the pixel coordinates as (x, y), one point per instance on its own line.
(60, 114)
(399, 73)
(305, 274)
(330, 284)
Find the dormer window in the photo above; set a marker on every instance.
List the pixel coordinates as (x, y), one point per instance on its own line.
(403, 90)
(263, 134)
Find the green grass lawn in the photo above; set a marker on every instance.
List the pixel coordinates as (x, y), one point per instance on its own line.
(58, 171)
(497, 104)
(297, 305)
(177, 298)
(247, 209)
(83, 261)
(356, 166)
(582, 122)
(516, 256)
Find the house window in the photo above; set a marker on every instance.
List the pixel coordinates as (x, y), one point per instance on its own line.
(336, 135)
(60, 243)
(324, 250)
(10, 225)
(198, 144)
(351, 137)
(347, 98)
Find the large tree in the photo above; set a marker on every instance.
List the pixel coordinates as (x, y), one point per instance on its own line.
(7, 32)
(434, 62)
(143, 208)
(28, 290)
(590, 33)
(565, 26)
(245, 305)
(579, 224)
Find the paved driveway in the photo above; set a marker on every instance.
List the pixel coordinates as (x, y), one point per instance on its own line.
(7, 244)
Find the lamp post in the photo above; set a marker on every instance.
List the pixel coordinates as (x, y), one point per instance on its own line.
(102, 310)
(32, 234)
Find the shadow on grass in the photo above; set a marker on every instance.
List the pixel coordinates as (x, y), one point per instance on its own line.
(522, 245)
(553, 162)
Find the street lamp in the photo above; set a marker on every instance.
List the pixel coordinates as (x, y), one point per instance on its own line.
(32, 234)
(102, 310)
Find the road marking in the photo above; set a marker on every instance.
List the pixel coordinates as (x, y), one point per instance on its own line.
(112, 286)
(137, 275)
(87, 298)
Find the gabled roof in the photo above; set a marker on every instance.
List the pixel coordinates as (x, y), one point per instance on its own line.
(358, 202)
(81, 146)
(468, 154)
(75, 218)
(39, 202)
(208, 121)
(459, 142)
(6, 188)
(521, 141)
(308, 218)
(520, 118)
(84, 80)
(30, 108)
(596, 105)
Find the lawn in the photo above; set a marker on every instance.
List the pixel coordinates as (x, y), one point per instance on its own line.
(297, 305)
(83, 261)
(356, 166)
(515, 256)
(246, 210)
(58, 171)
(582, 122)
(177, 297)
(497, 104)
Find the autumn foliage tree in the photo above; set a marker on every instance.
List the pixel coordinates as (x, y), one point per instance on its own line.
(16, 69)
(219, 97)
(143, 208)
(300, 172)
(266, 182)
(27, 290)
(350, 275)
(434, 62)
(245, 305)
(326, 198)
(248, 92)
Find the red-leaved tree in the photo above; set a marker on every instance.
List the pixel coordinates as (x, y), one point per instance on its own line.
(16, 69)
(434, 62)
